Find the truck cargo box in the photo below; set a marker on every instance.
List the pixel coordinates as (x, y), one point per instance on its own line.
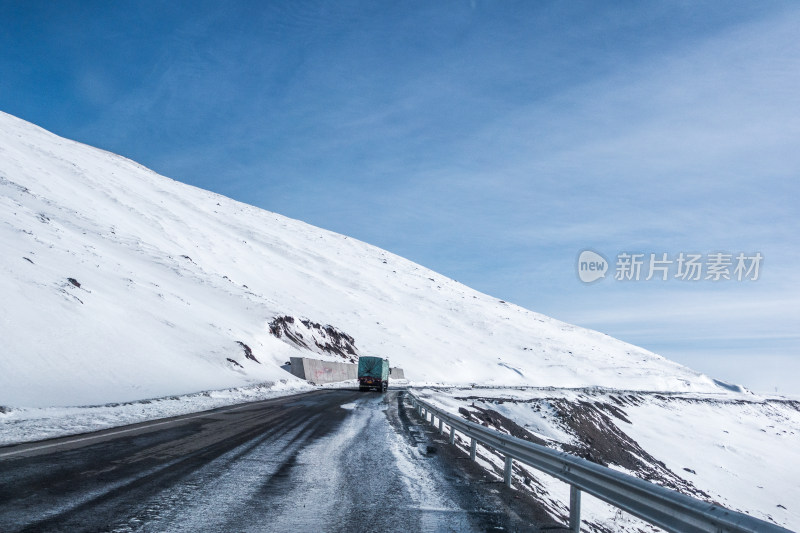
(373, 373)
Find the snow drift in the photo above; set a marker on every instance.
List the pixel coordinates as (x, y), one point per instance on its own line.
(120, 284)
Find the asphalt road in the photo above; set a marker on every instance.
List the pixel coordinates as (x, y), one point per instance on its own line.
(334, 460)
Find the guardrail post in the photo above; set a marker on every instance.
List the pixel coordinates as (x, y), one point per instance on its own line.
(441, 425)
(452, 435)
(473, 448)
(507, 471)
(574, 509)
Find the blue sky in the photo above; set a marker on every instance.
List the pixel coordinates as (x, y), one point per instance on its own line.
(491, 141)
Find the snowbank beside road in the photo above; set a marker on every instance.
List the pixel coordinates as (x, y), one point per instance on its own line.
(31, 424)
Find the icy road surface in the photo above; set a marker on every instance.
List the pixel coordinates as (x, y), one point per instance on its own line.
(334, 460)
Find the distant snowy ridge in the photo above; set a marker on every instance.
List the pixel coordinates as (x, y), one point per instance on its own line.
(119, 284)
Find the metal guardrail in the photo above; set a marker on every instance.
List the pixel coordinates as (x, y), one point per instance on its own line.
(662, 507)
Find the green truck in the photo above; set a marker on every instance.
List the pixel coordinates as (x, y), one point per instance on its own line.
(373, 373)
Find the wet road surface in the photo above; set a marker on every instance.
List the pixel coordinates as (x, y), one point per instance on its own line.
(334, 460)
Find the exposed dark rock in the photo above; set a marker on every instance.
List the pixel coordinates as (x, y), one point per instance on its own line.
(248, 352)
(280, 324)
(6, 182)
(74, 282)
(614, 410)
(234, 362)
(321, 338)
(493, 419)
(601, 441)
(28, 260)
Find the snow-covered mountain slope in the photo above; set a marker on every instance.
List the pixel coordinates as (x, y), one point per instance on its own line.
(741, 451)
(119, 284)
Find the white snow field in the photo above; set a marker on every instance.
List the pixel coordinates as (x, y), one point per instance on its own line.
(172, 276)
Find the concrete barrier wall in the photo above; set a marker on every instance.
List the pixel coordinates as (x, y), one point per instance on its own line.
(319, 371)
(297, 367)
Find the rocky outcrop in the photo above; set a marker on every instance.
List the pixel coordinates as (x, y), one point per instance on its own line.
(315, 337)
